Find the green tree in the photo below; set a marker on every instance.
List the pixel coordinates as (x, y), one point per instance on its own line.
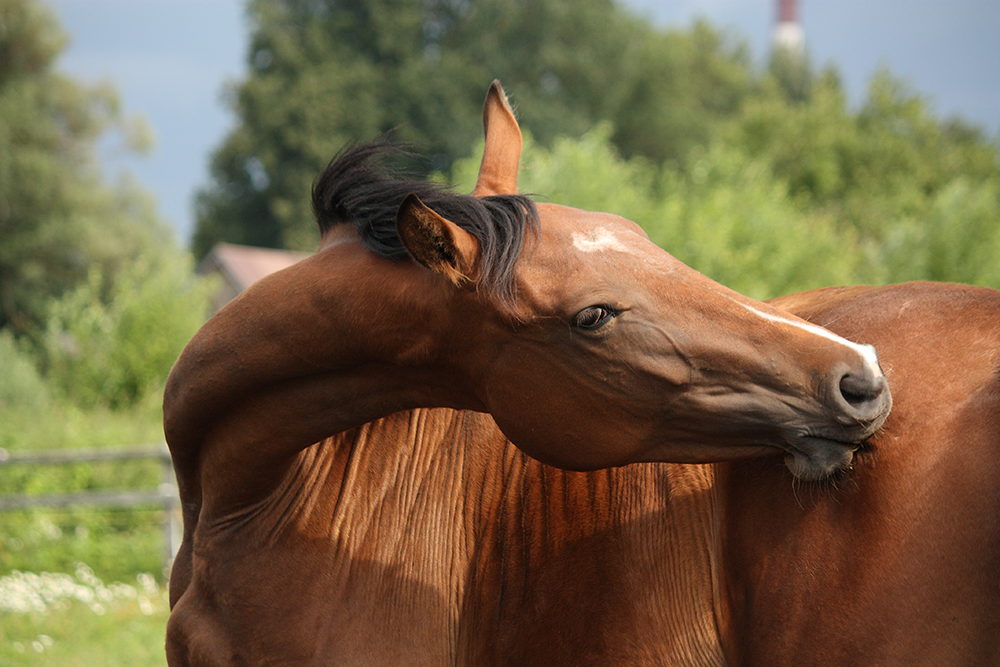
(680, 87)
(22, 387)
(889, 171)
(789, 67)
(57, 217)
(956, 238)
(885, 159)
(328, 72)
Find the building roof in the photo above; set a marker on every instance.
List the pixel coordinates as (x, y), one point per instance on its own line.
(241, 265)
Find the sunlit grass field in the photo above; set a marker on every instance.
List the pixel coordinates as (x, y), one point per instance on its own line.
(76, 619)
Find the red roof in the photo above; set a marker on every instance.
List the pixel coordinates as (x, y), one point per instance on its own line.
(244, 265)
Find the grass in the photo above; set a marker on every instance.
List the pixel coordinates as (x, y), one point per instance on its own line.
(54, 424)
(118, 544)
(75, 619)
(78, 621)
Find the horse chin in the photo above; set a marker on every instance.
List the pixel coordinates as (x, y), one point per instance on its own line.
(814, 459)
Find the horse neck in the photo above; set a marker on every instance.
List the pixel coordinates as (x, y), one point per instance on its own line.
(439, 501)
(632, 551)
(510, 544)
(336, 341)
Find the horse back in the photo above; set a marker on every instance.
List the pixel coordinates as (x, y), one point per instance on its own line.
(898, 561)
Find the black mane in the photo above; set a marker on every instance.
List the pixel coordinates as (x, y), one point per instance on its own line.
(357, 187)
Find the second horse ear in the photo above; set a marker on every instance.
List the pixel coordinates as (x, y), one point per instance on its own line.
(502, 153)
(437, 243)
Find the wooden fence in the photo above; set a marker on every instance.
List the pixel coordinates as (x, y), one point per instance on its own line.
(164, 496)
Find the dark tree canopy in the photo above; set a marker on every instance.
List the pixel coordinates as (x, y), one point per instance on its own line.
(323, 73)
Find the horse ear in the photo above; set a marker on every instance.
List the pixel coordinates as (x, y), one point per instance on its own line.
(437, 243)
(502, 154)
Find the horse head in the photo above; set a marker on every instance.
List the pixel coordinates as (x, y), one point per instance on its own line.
(589, 345)
(612, 351)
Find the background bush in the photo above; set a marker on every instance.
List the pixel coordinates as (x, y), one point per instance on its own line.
(113, 341)
(23, 387)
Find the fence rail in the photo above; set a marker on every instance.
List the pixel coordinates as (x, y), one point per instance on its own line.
(164, 496)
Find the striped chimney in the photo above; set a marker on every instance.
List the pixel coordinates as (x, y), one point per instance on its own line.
(787, 30)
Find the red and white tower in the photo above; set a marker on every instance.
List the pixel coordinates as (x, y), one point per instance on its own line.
(787, 30)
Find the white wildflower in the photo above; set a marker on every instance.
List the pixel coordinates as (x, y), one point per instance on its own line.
(28, 592)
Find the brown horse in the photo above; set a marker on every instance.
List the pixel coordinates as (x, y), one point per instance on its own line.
(416, 533)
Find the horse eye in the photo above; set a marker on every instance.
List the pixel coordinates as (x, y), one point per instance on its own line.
(594, 317)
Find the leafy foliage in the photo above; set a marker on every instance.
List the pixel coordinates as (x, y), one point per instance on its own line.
(23, 387)
(56, 216)
(732, 219)
(88, 264)
(114, 342)
(955, 238)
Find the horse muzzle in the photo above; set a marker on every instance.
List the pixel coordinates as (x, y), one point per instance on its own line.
(857, 403)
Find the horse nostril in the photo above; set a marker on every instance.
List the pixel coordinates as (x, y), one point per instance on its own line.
(859, 395)
(858, 391)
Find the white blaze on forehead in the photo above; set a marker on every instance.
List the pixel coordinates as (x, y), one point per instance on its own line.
(867, 352)
(599, 239)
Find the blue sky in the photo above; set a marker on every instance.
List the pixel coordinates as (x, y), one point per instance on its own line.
(171, 60)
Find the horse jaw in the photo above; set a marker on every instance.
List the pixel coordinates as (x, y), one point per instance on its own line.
(814, 459)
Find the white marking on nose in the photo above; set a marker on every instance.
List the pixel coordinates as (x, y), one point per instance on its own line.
(867, 352)
(594, 240)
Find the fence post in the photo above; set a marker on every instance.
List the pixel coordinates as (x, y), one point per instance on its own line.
(173, 529)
